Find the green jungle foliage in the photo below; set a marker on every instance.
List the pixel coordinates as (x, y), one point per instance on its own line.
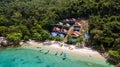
(33, 19)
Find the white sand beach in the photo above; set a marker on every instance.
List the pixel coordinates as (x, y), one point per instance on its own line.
(69, 49)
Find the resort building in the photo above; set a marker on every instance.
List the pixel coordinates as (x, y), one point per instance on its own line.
(74, 28)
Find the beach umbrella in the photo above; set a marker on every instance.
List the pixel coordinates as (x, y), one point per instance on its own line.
(54, 34)
(87, 35)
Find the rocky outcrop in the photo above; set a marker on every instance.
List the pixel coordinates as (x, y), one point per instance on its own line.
(3, 41)
(118, 65)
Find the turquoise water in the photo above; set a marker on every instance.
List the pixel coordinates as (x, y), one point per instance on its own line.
(26, 57)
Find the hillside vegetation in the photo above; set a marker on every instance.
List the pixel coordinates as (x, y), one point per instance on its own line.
(33, 19)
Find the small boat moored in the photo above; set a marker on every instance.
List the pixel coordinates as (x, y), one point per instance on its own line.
(64, 56)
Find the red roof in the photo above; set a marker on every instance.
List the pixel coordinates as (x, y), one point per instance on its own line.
(56, 29)
(74, 34)
(64, 30)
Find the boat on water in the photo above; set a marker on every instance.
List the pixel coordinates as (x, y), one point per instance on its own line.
(64, 56)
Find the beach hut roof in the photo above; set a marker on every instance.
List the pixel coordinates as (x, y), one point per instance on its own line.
(54, 33)
(56, 29)
(74, 34)
(60, 23)
(67, 25)
(77, 32)
(61, 35)
(64, 30)
(77, 28)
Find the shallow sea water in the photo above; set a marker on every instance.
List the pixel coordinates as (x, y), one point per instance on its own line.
(27, 57)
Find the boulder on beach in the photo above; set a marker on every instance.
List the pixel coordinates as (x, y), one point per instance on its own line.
(4, 43)
(118, 65)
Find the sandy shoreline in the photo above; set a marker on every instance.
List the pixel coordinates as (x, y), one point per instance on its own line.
(55, 46)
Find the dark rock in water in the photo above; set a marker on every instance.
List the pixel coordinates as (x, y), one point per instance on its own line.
(37, 57)
(61, 53)
(47, 52)
(39, 47)
(64, 58)
(25, 62)
(40, 50)
(40, 61)
(56, 53)
(13, 59)
(21, 59)
(48, 66)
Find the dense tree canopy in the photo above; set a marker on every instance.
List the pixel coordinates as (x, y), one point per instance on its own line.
(34, 18)
(14, 37)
